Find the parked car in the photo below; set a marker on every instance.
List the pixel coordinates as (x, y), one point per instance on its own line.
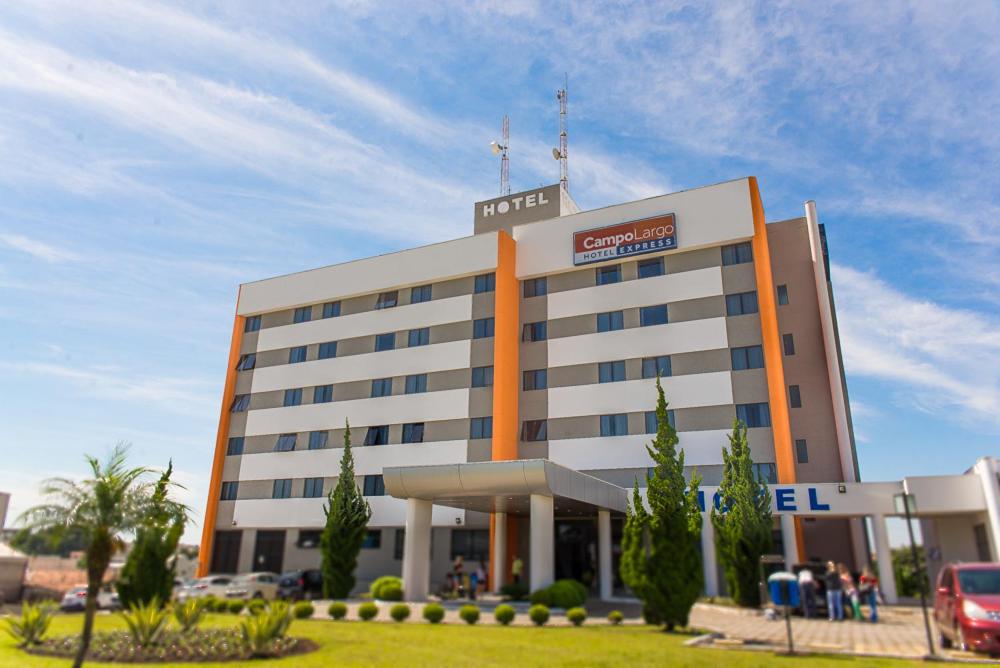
(967, 606)
(213, 585)
(75, 599)
(301, 585)
(254, 585)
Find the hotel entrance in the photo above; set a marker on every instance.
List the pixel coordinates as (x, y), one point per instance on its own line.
(576, 550)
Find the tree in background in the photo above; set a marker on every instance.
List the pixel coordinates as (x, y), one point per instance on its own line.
(347, 515)
(743, 522)
(111, 502)
(149, 571)
(48, 541)
(908, 574)
(660, 562)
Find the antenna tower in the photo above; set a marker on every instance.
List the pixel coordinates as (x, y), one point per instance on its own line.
(504, 163)
(561, 153)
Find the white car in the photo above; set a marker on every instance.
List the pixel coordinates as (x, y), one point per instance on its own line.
(254, 585)
(213, 585)
(75, 599)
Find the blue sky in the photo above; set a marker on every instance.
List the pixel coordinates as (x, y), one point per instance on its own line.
(154, 156)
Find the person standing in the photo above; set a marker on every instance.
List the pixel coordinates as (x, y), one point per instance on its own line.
(834, 592)
(473, 584)
(807, 591)
(481, 579)
(516, 569)
(457, 568)
(870, 591)
(850, 590)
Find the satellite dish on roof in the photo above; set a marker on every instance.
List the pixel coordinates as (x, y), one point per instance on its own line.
(495, 148)
(556, 154)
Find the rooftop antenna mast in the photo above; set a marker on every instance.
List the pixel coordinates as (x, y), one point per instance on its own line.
(500, 148)
(560, 153)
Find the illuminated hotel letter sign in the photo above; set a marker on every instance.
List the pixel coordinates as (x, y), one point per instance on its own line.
(636, 237)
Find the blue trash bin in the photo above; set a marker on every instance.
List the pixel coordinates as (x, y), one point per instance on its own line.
(784, 588)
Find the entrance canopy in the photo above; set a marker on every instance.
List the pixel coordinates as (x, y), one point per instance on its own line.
(505, 487)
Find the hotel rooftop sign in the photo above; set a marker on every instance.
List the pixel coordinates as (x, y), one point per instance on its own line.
(524, 207)
(636, 237)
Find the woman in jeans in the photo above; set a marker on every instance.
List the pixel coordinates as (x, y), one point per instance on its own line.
(847, 582)
(870, 591)
(834, 602)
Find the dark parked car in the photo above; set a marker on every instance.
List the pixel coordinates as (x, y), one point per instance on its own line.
(967, 606)
(301, 585)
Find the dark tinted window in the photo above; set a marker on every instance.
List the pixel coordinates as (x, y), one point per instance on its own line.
(381, 387)
(653, 315)
(235, 446)
(741, 303)
(420, 294)
(323, 394)
(650, 366)
(241, 402)
(377, 435)
(373, 539)
(737, 253)
(534, 331)
(651, 423)
(536, 379)
(611, 372)
(482, 328)
(313, 488)
(374, 486)
(282, 489)
(297, 354)
(650, 268)
(614, 425)
(419, 337)
(416, 383)
(327, 350)
(385, 341)
(754, 415)
(293, 397)
(387, 299)
(482, 376)
(782, 295)
(247, 362)
(788, 343)
(318, 439)
(285, 443)
(536, 287)
(613, 320)
(794, 396)
(252, 324)
(747, 357)
(481, 427)
(534, 430)
(413, 432)
(486, 282)
(331, 309)
(801, 451)
(606, 275)
(303, 314)
(230, 490)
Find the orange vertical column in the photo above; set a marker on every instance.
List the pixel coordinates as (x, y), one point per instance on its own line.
(773, 365)
(221, 438)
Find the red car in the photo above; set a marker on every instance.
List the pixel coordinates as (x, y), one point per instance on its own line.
(967, 607)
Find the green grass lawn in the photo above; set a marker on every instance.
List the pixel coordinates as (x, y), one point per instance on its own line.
(378, 644)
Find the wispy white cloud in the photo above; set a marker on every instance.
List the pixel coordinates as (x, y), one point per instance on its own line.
(36, 248)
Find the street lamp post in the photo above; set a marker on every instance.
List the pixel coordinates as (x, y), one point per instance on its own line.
(906, 504)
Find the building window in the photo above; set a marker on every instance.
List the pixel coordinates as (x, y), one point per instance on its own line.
(323, 394)
(481, 427)
(534, 430)
(536, 287)
(482, 376)
(611, 372)
(282, 489)
(651, 268)
(421, 293)
(314, 488)
(801, 451)
(653, 315)
(788, 343)
(486, 283)
(607, 322)
(534, 331)
(782, 295)
(285, 443)
(302, 314)
(741, 303)
(385, 341)
(607, 275)
(419, 337)
(247, 362)
(536, 379)
(651, 422)
(482, 328)
(374, 485)
(398, 544)
(754, 415)
(308, 539)
(331, 309)
(413, 432)
(241, 402)
(293, 397)
(318, 439)
(766, 473)
(229, 490)
(297, 354)
(235, 446)
(737, 253)
(416, 383)
(747, 357)
(614, 425)
(252, 324)
(373, 539)
(387, 299)
(327, 350)
(377, 435)
(471, 544)
(794, 396)
(381, 387)
(656, 365)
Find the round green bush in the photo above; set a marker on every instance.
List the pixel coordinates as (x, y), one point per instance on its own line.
(337, 610)
(209, 603)
(539, 614)
(505, 614)
(236, 606)
(378, 586)
(399, 612)
(220, 605)
(616, 617)
(469, 614)
(367, 611)
(391, 592)
(561, 594)
(576, 615)
(256, 606)
(434, 613)
(303, 610)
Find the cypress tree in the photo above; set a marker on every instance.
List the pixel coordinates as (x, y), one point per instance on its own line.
(661, 562)
(743, 522)
(347, 515)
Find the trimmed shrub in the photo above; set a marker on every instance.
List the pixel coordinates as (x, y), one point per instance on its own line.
(469, 614)
(235, 606)
(561, 594)
(32, 625)
(616, 617)
(367, 611)
(576, 615)
(260, 632)
(337, 610)
(391, 592)
(399, 612)
(303, 610)
(514, 591)
(146, 622)
(539, 614)
(188, 614)
(256, 606)
(208, 602)
(434, 613)
(505, 614)
(386, 581)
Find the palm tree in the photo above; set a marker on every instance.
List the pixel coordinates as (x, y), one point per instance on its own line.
(111, 502)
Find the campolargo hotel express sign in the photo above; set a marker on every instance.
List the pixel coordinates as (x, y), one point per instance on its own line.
(624, 239)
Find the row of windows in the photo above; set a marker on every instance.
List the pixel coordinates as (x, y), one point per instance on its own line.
(648, 316)
(373, 485)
